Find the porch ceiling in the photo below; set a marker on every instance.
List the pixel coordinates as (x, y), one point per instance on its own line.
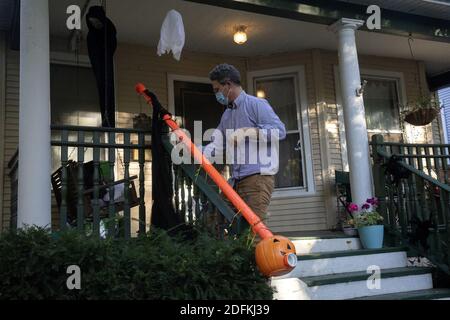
(439, 9)
(209, 29)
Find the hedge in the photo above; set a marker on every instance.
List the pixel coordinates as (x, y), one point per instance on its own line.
(34, 265)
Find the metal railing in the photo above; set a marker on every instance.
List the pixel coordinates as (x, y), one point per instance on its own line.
(411, 182)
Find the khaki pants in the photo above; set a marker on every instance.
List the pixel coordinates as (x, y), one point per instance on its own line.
(256, 191)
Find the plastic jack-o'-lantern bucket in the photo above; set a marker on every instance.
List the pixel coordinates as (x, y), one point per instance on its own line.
(275, 256)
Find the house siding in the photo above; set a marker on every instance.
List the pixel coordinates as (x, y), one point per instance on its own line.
(2, 117)
(11, 128)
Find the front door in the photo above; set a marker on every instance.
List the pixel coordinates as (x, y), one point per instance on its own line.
(196, 102)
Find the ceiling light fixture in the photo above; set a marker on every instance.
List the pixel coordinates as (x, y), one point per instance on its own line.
(240, 35)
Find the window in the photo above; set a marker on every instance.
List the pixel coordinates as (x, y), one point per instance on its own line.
(74, 101)
(381, 104)
(284, 90)
(74, 96)
(382, 94)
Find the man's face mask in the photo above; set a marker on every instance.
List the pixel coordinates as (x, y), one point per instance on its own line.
(221, 98)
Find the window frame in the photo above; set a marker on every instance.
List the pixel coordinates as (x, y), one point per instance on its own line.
(398, 77)
(298, 72)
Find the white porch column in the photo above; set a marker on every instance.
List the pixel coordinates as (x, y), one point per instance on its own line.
(353, 109)
(34, 202)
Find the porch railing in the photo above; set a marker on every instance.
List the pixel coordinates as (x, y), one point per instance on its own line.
(411, 182)
(94, 164)
(197, 198)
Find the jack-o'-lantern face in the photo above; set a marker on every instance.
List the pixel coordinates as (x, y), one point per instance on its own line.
(275, 256)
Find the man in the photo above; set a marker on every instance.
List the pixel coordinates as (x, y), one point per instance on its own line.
(254, 118)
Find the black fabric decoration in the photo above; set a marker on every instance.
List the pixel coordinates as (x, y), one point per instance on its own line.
(102, 44)
(163, 211)
(395, 170)
(420, 232)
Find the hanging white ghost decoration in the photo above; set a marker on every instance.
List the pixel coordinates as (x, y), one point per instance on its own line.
(172, 35)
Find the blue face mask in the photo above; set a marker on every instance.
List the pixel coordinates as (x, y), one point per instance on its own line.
(221, 98)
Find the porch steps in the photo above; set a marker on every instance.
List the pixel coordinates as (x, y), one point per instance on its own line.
(429, 294)
(323, 263)
(336, 268)
(308, 245)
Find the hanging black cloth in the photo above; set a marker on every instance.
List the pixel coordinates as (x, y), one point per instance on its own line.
(163, 211)
(102, 44)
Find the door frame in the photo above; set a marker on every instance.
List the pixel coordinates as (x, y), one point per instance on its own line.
(302, 123)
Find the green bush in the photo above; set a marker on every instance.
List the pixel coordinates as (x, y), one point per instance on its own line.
(33, 265)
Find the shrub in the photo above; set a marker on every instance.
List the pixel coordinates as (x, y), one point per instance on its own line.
(33, 265)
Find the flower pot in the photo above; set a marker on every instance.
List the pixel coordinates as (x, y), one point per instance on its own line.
(371, 236)
(350, 231)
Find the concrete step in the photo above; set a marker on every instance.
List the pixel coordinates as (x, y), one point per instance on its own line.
(307, 245)
(430, 294)
(323, 263)
(350, 285)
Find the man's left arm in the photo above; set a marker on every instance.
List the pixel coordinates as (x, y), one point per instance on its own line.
(267, 120)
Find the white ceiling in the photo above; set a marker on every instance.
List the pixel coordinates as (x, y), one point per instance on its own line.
(210, 29)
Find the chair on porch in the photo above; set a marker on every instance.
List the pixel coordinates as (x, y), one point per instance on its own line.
(72, 195)
(343, 192)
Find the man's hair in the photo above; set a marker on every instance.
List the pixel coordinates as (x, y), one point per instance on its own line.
(225, 72)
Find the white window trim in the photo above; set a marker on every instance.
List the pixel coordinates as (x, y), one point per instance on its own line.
(389, 75)
(303, 125)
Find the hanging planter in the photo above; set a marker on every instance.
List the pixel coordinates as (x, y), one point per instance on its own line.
(421, 117)
(422, 111)
(425, 109)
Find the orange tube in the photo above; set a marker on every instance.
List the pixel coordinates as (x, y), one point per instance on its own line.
(255, 222)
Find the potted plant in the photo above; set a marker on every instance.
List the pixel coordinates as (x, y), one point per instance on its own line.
(349, 226)
(370, 226)
(422, 111)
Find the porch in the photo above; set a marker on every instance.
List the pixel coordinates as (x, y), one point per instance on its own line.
(306, 66)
